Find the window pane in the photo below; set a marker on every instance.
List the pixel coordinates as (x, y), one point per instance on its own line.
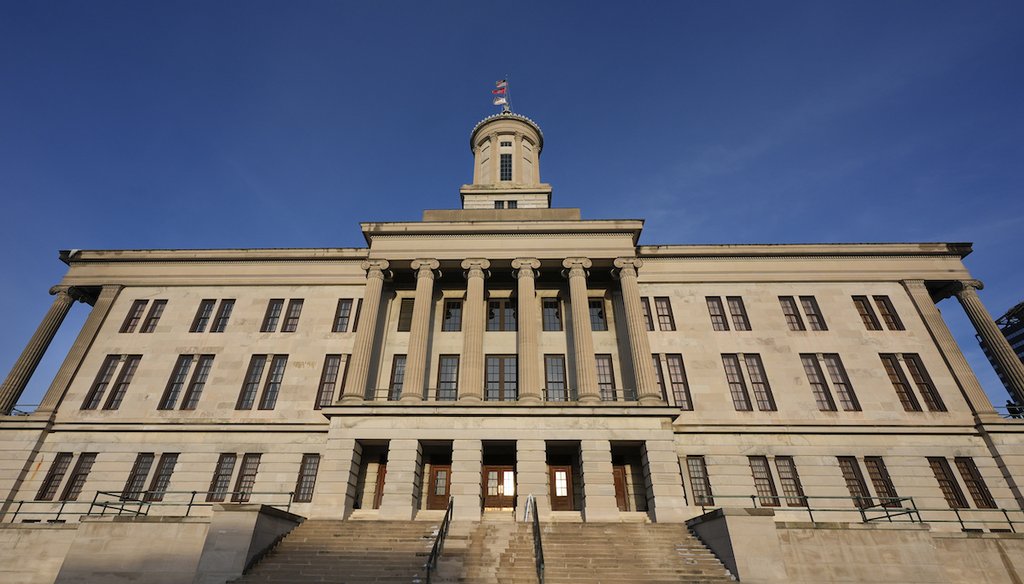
(221, 477)
(134, 316)
(162, 478)
(737, 387)
(328, 381)
(220, 323)
(452, 320)
(792, 314)
(900, 383)
(819, 388)
(202, 316)
(656, 362)
(813, 312)
(155, 312)
(867, 314)
(291, 320)
(663, 306)
(717, 312)
(947, 483)
(247, 396)
(137, 477)
(246, 478)
(397, 377)
(700, 483)
(448, 377)
(552, 315)
(195, 387)
(58, 469)
(975, 484)
(506, 167)
(855, 481)
(790, 481)
(598, 322)
(841, 383)
(739, 313)
(763, 483)
(77, 479)
(102, 381)
(176, 383)
(307, 478)
(759, 383)
(677, 377)
(554, 376)
(605, 377)
(923, 382)
(124, 379)
(888, 312)
(272, 316)
(342, 315)
(645, 304)
(273, 386)
(884, 488)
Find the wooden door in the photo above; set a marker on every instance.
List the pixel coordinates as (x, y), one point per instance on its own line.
(439, 486)
(499, 486)
(621, 496)
(561, 488)
(378, 491)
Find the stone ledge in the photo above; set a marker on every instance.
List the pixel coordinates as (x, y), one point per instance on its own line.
(833, 525)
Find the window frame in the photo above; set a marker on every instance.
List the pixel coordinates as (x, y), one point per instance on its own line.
(812, 313)
(666, 319)
(292, 315)
(738, 312)
(791, 314)
(554, 367)
(508, 377)
(451, 316)
(134, 316)
(551, 315)
(305, 482)
(502, 315)
(272, 316)
(396, 382)
(156, 310)
(716, 310)
(447, 377)
(681, 386)
(342, 316)
(203, 315)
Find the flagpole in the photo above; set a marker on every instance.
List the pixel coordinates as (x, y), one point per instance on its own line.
(508, 96)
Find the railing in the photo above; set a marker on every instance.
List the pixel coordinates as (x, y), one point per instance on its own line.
(114, 503)
(23, 409)
(1010, 411)
(442, 534)
(890, 509)
(538, 546)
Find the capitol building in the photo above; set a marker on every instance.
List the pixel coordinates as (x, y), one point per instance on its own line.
(508, 392)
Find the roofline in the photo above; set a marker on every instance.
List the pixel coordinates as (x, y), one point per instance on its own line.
(505, 116)
(69, 256)
(958, 249)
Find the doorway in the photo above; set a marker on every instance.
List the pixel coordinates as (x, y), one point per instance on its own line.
(437, 468)
(373, 469)
(499, 475)
(564, 480)
(631, 489)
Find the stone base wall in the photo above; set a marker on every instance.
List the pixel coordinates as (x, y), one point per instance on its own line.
(33, 553)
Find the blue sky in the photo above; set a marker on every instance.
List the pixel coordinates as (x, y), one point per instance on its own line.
(255, 124)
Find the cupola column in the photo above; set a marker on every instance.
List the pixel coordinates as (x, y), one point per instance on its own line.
(359, 367)
(526, 337)
(471, 376)
(518, 168)
(416, 365)
(583, 338)
(647, 390)
(495, 159)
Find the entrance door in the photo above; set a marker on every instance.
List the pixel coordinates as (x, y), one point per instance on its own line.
(561, 488)
(621, 497)
(499, 486)
(378, 491)
(438, 487)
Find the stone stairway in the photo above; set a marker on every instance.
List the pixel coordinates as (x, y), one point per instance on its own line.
(499, 552)
(603, 553)
(347, 552)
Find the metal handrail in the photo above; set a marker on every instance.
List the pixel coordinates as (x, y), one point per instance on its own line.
(538, 545)
(115, 503)
(442, 534)
(23, 409)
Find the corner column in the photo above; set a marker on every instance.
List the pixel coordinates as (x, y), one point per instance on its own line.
(362, 351)
(471, 374)
(416, 367)
(1013, 370)
(26, 364)
(526, 337)
(583, 338)
(647, 390)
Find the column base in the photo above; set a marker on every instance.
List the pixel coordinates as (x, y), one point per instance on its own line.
(530, 399)
(651, 400)
(410, 397)
(350, 399)
(471, 398)
(589, 398)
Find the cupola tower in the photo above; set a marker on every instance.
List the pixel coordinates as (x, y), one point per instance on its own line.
(506, 165)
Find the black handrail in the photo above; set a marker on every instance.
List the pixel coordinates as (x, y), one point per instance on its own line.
(442, 534)
(538, 546)
(139, 505)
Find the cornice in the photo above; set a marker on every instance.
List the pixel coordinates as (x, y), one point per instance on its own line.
(209, 256)
(805, 250)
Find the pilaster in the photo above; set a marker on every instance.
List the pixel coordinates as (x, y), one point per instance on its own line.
(598, 482)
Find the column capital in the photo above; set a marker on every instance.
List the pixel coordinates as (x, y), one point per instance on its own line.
(73, 294)
(628, 266)
(375, 268)
(956, 288)
(425, 267)
(475, 267)
(577, 266)
(525, 267)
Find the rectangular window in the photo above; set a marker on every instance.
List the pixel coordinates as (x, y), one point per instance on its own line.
(328, 380)
(54, 476)
(272, 316)
(645, 304)
(888, 312)
(923, 382)
(759, 383)
(513, 204)
(221, 477)
(355, 317)
(134, 316)
(813, 312)
(677, 377)
(790, 481)
(506, 167)
(975, 484)
(137, 477)
(176, 382)
(102, 381)
(554, 378)
(816, 378)
(700, 483)
(841, 382)
(220, 322)
(197, 383)
(499, 204)
(598, 321)
(763, 483)
(880, 478)
(405, 314)
(307, 478)
(947, 482)
(855, 481)
(77, 478)
(501, 315)
(656, 362)
(867, 314)
(397, 377)
(663, 307)
(124, 379)
(291, 319)
(246, 477)
(552, 314)
(717, 312)
(737, 386)
(740, 321)
(501, 380)
(247, 397)
(341, 315)
(792, 313)
(162, 478)
(899, 382)
(153, 317)
(203, 315)
(452, 321)
(448, 378)
(272, 388)
(605, 377)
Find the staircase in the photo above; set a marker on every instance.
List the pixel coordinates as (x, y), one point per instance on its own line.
(347, 552)
(500, 552)
(628, 553)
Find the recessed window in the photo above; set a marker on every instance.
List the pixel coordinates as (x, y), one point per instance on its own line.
(677, 377)
(551, 314)
(605, 377)
(513, 204)
(501, 381)
(405, 309)
(700, 483)
(342, 315)
(499, 204)
(554, 378)
(501, 315)
(334, 366)
(598, 321)
(153, 317)
(397, 378)
(663, 307)
(272, 316)
(452, 320)
(448, 378)
(307, 478)
(506, 167)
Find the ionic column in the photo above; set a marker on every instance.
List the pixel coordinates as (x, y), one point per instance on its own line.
(948, 347)
(416, 362)
(1013, 370)
(647, 390)
(517, 157)
(496, 158)
(474, 311)
(362, 351)
(583, 338)
(26, 364)
(526, 338)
